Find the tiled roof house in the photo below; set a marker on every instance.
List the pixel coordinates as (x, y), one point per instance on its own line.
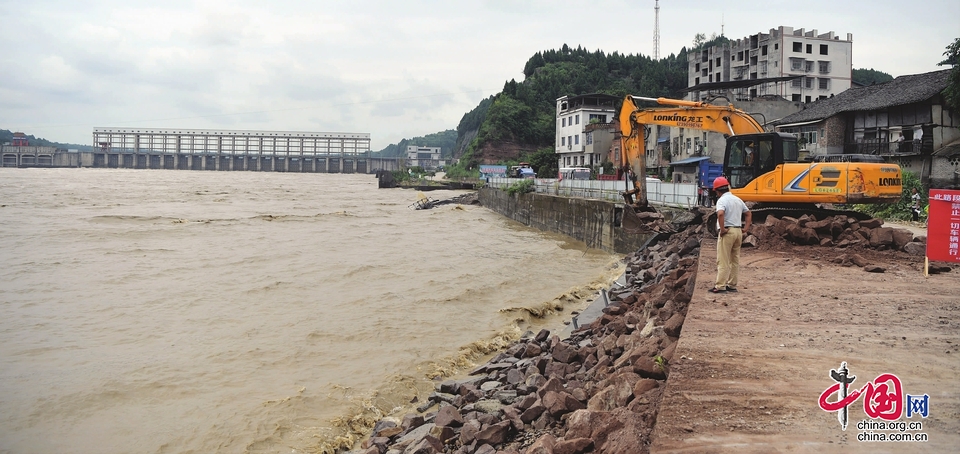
(904, 121)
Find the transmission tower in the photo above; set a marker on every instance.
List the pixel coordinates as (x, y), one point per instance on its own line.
(656, 31)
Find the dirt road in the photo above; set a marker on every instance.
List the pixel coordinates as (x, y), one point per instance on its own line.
(750, 366)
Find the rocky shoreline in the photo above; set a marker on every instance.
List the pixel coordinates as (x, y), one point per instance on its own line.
(600, 389)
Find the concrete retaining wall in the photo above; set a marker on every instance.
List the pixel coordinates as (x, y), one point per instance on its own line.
(595, 222)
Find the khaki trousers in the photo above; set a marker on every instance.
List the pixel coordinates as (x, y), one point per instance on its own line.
(728, 258)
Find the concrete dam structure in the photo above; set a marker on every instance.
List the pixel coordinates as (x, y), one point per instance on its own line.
(198, 149)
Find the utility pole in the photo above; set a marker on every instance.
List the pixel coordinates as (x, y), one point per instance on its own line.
(656, 31)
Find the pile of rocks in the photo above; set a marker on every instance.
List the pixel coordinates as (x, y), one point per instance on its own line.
(597, 391)
(840, 231)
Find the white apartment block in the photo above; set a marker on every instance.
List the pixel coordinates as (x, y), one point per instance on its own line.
(427, 158)
(585, 129)
(797, 65)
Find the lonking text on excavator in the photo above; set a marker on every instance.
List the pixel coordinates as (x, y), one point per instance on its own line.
(762, 167)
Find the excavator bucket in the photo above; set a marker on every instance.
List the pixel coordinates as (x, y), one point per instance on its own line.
(631, 223)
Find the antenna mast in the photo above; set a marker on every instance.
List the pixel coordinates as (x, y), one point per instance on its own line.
(656, 31)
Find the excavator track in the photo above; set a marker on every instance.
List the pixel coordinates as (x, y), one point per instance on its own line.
(761, 211)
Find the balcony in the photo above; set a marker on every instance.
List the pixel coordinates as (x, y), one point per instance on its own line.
(884, 148)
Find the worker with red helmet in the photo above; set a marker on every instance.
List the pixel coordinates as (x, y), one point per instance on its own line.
(731, 211)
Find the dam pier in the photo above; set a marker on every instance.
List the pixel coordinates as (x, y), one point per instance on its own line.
(201, 149)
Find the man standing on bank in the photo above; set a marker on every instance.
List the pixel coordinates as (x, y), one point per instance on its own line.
(730, 211)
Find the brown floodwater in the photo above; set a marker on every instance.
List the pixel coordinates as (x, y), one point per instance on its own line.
(151, 311)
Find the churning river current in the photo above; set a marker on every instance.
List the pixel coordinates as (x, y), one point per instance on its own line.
(152, 311)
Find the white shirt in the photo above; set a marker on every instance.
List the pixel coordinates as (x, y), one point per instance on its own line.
(733, 209)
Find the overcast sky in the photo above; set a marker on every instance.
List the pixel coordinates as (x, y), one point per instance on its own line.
(394, 69)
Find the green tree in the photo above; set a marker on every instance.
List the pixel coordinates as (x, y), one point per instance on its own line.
(445, 140)
(901, 209)
(952, 93)
(698, 40)
(523, 115)
(544, 162)
(870, 76)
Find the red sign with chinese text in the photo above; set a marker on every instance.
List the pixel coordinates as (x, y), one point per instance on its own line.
(943, 225)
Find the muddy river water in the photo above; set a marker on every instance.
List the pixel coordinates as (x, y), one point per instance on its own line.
(148, 311)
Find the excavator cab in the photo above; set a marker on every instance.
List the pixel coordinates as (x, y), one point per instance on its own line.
(750, 155)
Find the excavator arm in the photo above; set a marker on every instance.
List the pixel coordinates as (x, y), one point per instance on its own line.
(686, 114)
(777, 178)
(683, 114)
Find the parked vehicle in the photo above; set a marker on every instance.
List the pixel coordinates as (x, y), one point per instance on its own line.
(573, 173)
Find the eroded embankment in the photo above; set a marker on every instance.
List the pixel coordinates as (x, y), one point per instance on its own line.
(598, 389)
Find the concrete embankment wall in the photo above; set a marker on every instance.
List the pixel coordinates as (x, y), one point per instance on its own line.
(595, 222)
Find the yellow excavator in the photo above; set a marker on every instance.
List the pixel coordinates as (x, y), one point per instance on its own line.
(761, 166)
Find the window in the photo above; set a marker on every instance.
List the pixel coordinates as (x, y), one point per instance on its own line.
(796, 83)
(696, 81)
(718, 77)
(824, 67)
(808, 137)
(824, 83)
(563, 122)
(740, 55)
(776, 46)
(823, 49)
(598, 118)
(795, 98)
(796, 64)
(589, 138)
(808, 82)
(808, 99)
(763, 50)
(809, 66)
(578, 119)
(698, 67)
(798, 47)
(718, 61)
(563, 141)
(809, 48)
(576, 139)
(746, 157)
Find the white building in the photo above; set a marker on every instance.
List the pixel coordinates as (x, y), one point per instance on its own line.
(797, 65)
(585, 129)
(427, 158)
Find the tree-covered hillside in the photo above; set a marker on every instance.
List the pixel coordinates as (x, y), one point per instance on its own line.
(446, 140)
(870, 76)
(7, 136)
(519, 122)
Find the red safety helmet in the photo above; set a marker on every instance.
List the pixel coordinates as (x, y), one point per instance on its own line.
(720, 182)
